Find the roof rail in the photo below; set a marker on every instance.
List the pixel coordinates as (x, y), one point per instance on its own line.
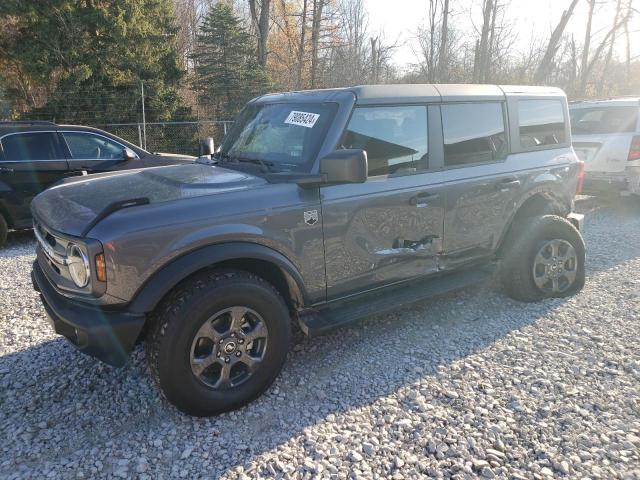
(26, 122)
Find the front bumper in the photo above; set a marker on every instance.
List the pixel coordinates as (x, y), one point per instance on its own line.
(108, 335)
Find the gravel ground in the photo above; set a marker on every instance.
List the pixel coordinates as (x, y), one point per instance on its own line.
(468, 385)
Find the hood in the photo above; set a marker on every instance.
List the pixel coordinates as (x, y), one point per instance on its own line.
(177, 156)
(74, 205)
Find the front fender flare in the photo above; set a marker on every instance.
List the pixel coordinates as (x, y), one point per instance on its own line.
(167, 277)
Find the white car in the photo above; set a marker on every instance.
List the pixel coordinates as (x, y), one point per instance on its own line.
(606, 136)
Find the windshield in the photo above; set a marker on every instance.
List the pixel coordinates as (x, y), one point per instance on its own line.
(603, 120)
(281, 136)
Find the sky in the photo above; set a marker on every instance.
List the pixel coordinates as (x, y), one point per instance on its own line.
(399, 19)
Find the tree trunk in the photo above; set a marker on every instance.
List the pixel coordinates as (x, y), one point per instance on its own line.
(433, 7)
(374, 60)
(316, 24)
(303, 35)
(585, 51)
(444, 53)
(491, 45)
(627, 48)
(482, 53)
(607, 59)
(544, 67)
(261, 22)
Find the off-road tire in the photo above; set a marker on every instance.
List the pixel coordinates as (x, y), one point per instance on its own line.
(521, 248)
(4, 228)
(176, 320)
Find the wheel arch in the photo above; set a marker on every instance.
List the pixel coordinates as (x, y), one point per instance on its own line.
(538, 202)
(261, 260)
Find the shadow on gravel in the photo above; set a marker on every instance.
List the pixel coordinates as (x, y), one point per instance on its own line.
(603, 218)
(58, 405)
(18, 237)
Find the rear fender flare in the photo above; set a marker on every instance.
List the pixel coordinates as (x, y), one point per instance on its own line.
(558, 203)
(167, 277)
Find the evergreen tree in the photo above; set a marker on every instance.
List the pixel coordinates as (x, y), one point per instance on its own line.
(86, 58)
(227, 71)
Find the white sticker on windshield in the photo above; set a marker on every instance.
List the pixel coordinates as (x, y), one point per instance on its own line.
(304, 119)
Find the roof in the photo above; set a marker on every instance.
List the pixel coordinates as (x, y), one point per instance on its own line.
(612, 102)
(38, 125)
(414, 93)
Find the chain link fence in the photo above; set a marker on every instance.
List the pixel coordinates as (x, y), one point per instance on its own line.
(170, 137)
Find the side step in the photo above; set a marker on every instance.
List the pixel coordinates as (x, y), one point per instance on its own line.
(318, 322)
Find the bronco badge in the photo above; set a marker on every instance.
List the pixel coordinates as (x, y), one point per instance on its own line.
(311, 217)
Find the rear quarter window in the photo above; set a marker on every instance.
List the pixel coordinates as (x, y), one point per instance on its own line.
(473, 133)
(541, 123)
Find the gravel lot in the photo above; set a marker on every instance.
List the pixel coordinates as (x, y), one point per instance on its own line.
(471, 384)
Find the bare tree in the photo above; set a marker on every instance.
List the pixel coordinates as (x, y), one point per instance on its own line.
(301, 46)
(585, 50)
(444, 36)
(481, 59)
(316, 25)
(546, 64)
(259, 10)
(430, 43)
(612, 43)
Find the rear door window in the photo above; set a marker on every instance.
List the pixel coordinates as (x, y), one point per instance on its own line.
(473, 133)
(541, 123)
(395, 138)
(585, 121)
(31, 146)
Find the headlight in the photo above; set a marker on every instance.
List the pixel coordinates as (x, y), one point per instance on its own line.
(78, 264)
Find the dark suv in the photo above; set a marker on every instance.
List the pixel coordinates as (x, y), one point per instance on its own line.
(320, 206)
(35, 155)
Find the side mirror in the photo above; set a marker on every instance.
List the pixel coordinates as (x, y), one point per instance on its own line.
(128, 154)
(207, 147)
(344, 166)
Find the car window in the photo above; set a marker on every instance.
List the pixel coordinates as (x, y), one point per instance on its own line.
(286, 136)
(88, 146)
(541, 123)
(473, 133)
(603, 120)
(30, 146)
(395, 138)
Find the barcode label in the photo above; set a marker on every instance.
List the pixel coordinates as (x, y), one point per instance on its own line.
(304, 119)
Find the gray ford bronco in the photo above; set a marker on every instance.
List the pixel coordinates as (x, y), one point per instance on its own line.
(320, 207)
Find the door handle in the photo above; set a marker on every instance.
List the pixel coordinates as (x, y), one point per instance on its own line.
(422, 197)
(6, 170)
(508, 184)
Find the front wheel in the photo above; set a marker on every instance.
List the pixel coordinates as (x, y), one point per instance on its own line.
(218, 341)
(545, 258)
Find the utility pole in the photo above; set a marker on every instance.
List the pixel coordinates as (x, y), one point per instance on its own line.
(144, 120)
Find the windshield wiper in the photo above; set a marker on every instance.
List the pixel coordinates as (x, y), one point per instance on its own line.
(266, 165)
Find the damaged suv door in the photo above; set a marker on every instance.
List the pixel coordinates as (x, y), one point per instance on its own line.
(389, 228)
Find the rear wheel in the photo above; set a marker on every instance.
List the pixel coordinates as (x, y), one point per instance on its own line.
(544, 258)
(218, 341)
(4, 228)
